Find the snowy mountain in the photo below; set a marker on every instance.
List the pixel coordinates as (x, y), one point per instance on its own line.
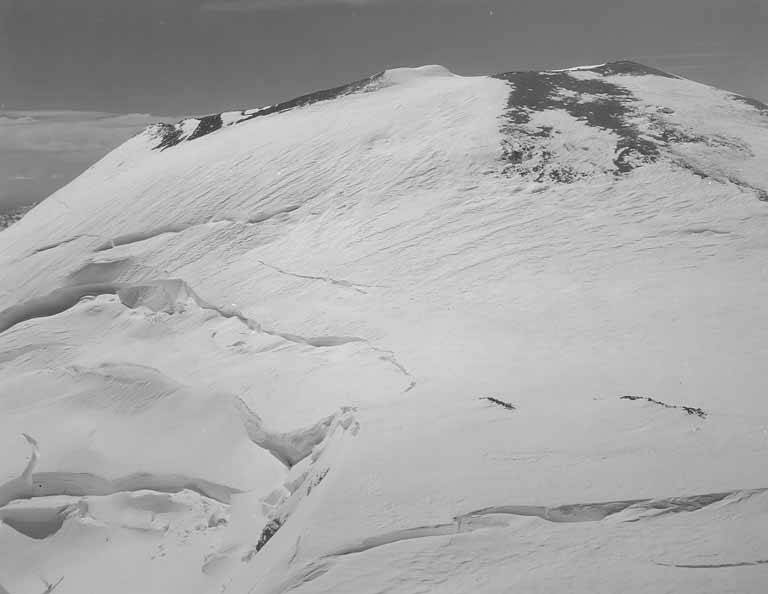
(420, 333)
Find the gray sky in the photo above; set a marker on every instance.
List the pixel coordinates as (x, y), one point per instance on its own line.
(169, 58)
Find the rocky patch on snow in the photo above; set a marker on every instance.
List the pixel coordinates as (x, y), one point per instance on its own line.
(501, 403)
(171, 135)
(9, 218)
(701, 413)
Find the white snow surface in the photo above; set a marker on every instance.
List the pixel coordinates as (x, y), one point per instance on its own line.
(296, 320)
(577, 68)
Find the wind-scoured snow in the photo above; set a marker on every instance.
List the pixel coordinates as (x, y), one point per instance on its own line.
(380, 337)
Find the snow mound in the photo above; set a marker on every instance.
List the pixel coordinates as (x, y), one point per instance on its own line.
(400, 76)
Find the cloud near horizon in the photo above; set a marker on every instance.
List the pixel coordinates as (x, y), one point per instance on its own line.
(40, 151)
(65, 130)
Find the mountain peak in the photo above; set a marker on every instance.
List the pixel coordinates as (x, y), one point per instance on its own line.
(170, 135)
(405, 75)
(607, 97)
(626, 67)
(387, 337)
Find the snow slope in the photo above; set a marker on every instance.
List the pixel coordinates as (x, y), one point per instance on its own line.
(381, 338)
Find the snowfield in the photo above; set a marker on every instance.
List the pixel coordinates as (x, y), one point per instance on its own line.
(420, 333)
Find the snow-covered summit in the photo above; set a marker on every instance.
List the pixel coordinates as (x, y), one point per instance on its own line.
(189, 129)
(421, 332)
(603, 102)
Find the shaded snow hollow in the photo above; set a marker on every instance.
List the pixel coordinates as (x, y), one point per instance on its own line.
(380, 337)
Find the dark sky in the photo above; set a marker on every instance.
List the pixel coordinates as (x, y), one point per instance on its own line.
(67, 66)
(182, 56)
